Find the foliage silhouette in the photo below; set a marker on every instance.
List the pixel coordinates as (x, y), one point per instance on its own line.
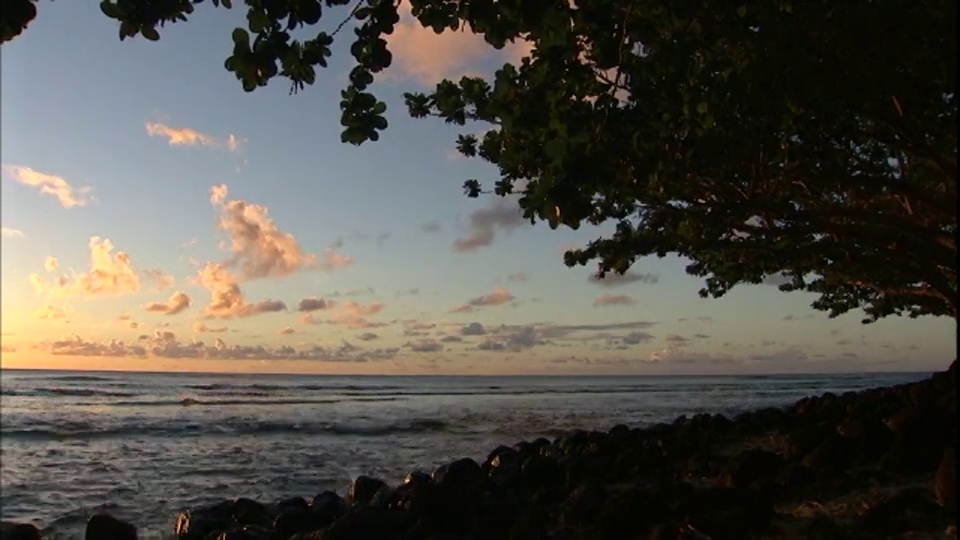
(812, 141)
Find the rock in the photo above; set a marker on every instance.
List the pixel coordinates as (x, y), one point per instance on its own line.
(363, 489)
(461, 474)
(367, 523)
(247, 532)
(822, 527)
(619, 432)
(18, 531)
(834, 453)
(753, 465)
(329, 502)
(632, 512)
(804, 439)
(199, 523)
(297, 520)
(292, 503)
(945, 480)
(417, 478)
(900, 513)
(541, 471)
(250, 512)
(727, 512)
(107, 527)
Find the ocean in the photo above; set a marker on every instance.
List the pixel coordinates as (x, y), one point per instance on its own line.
(145, 446)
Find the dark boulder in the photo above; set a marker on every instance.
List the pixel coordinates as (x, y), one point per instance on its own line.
(834, 453)
(298, 520)
(251, 512)
(752, 465)
(363, 489)
(247, 532)
(821, 527)
(542, 472)
(631, 512)
(460, 475)
(900, 513)
(199, 523)
(723, 513)
(329, 502)
(292, 503)
(367, 523)
(18, 531)
(945, 480)
(107, 527)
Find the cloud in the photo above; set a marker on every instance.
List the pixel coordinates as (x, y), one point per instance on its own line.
(49, 184)
(465, 308)
(226, 298)
(192, 137)
(514, 339)
(427, 345)
(473, 329)
(164, 344)
(258, 247)
(614, 300)
(201, 328)
(367, 336)
(353, 315)
(423, 55)
(11, 233)
(517, 277)
(501, 214)
(613, 279)
(50, 264)
(498, 297)
(177, 303)
(111, 274)
(315, 304)
(51, 312)
(451, 339)
(161, 280)
(286, 330)
(431, 227)
(332, 260)
(636, 338)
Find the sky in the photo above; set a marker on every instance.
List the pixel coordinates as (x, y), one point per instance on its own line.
(156, 217)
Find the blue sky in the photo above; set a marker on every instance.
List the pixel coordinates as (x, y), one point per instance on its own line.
(135, 134)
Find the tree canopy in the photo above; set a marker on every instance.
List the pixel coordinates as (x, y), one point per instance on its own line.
(814, 141)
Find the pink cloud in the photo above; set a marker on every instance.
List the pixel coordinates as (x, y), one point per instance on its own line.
(614, 300)
(177, 303)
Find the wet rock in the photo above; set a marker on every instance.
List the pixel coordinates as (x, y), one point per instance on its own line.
(368, 523)
(329, 502)
(619, 432)
(107, 527)
(581, 505)
(945, 480)
(834, 453)
(899, 513)
(461, 474)
(18, 531)
(753, 465)
(919, 439)
(250, 512)
(298, 520)
(199, 523)
(292, 503)
(363, 489)
(823, 528)
(247, 532)
(541, 471)
(417, 478)
(632, 512)
(383, 496)
(727, 512)
(804, 439)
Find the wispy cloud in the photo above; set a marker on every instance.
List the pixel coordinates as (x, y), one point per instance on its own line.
(191, 137)
(315, 304)
(613, 279)
(50, 311)
(11, 233)
(498, 297)
(49, 184)
(500, 214)
(614, 300)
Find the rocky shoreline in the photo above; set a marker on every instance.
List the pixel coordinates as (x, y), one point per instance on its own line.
(873, 464)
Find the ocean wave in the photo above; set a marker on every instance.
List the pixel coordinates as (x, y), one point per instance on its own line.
(82, 432)
(190, 401)
(66, 392)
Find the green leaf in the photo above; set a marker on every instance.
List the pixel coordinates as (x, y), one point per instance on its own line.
(110, 9)
(241, 38)
(227, 3)
(150, 33)
(742, 11)
(702, 107)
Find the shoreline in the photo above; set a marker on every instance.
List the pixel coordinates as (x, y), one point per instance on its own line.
(875, 463)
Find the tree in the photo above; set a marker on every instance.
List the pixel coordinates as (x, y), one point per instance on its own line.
(811, 140)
